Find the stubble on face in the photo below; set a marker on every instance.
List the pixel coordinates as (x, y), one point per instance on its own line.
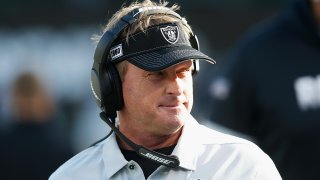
(155, 105)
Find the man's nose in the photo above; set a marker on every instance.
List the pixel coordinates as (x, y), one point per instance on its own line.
(175, 86)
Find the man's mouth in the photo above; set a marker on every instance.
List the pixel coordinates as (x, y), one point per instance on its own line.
(173, 106)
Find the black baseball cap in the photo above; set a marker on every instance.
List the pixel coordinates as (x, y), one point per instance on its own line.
(157, 48)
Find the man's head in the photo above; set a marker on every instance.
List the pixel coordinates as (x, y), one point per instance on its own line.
(148, 35)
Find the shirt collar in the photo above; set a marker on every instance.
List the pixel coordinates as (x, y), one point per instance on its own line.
(186, 150)
(112, 156)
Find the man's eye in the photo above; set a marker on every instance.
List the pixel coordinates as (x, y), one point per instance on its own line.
(185, 72)
(159, 73)
(155, 75)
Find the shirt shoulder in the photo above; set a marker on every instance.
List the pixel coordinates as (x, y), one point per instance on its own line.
(87, 160)
(241, 155)
(229, 143)
(212, 136)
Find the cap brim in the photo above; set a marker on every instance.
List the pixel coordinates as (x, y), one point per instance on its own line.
(166, 57)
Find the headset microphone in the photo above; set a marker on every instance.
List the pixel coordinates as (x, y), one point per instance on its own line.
(166, 160)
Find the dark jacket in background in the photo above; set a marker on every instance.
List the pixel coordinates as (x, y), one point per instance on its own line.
(270, 89)
(32, 151)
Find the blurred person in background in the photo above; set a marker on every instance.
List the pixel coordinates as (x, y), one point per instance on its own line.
(269, 89)
(33, 143)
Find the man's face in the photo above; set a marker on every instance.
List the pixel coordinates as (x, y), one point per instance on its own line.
(156, 102)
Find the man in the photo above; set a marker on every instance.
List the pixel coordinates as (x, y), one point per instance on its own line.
(270, 89)
(155, 54)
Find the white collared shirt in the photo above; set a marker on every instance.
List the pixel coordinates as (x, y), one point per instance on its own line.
(203, 154)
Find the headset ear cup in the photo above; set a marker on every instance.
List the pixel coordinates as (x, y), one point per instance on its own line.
(195, 44)
(194, 41)
(112, 99)
(196, 67)
(95, 87)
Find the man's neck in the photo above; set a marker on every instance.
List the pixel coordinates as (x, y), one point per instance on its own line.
(150, 141)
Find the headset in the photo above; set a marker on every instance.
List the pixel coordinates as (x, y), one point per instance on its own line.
(105, 79)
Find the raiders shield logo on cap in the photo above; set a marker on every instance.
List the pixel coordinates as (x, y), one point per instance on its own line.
(170, 33)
